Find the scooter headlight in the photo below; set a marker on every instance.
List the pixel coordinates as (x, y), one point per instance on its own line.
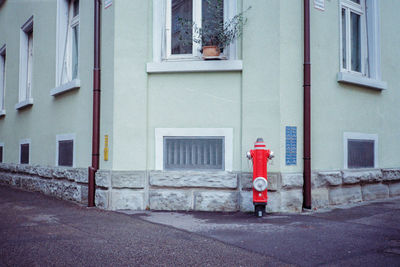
(260, 184)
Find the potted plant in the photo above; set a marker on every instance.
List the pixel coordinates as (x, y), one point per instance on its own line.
(215, 34)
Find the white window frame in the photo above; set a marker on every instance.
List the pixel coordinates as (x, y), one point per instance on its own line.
(66, 137)
(359, 136)
(370, 75)
(3, 59)
(64, 48)
(2, 145)
(26, 59)
(190, 63)
(227, 133)
(23, 142)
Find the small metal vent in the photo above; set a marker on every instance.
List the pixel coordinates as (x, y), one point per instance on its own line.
(194, 153)
(24, 154)
(65, 153)
(360, 153)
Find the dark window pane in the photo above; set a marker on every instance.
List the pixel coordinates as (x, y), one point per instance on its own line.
(355, 25)
(356, 1)
(24, 154)
(344, 41)
(181, 32)
(1, 154)
(360, 153)
(212, 21)
(65, 153)
(194, 153)
(76, 8)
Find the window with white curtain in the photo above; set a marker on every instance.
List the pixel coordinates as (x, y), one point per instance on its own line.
(25, 65)
(360, 43)
(67, 59)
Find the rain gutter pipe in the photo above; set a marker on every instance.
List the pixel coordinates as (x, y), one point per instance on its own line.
(307, 109)
(96, 107)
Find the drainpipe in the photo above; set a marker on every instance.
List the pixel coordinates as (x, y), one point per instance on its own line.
(307, 109)
(96, 106)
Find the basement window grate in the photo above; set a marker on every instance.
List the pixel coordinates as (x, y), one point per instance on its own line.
(65, 153)
(24, 154)
(360, 153)
(194, 153)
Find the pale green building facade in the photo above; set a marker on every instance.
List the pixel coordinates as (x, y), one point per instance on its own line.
(148, 96)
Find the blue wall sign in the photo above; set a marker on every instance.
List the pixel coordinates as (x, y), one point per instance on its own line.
(291, 145)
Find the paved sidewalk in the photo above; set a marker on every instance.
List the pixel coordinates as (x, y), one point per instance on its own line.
(358, 235)
(36, 230)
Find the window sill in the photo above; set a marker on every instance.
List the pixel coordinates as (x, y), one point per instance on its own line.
(195, 66)
(74, 84)
(2, 113)
(23, 104)
(344, 77)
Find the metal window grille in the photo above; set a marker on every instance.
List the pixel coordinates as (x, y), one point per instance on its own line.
(24, 154)
(360, 153)
(194, 153)
(65, 153)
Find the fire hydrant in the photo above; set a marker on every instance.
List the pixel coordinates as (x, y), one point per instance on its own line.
(260, 156)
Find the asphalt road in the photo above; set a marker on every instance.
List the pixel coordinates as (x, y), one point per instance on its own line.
(36, 230)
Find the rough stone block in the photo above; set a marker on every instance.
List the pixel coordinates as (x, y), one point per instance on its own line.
(344, 195)
(127, 199)
(394, 189)
(8, 167)
(79, 175)
(366, 176)
(320, 197)
(25, 169)
(291, 200)
(246, 201)
(274, 202)
(391, 174)
(84, 194)
(216, 201)
(332, 178)
(5, 178)
(44, 171)
(103, 178)
(170, 200)
(274, 181)
(128, 179)
(102, 198)
(30, 184)
(194, 179)
(292, 180)
(374, 191)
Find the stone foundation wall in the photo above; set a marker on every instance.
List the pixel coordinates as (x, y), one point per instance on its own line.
(64, 183)
(202, 191)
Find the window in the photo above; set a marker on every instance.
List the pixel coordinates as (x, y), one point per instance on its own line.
(67, 59)
(24, 151)
(1, 152)
(65, 150)
(193, 153)
(2, 79)
(360, 150)
(25, 65)
(360, 48)
(194, 149)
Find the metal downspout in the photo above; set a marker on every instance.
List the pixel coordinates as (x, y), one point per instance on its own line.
(307, 109)
(96, 106)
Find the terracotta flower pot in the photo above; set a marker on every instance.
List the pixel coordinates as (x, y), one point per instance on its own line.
(211, 51)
